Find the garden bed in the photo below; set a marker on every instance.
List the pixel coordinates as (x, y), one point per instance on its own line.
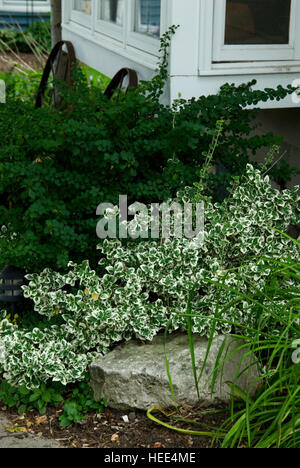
(108, 430)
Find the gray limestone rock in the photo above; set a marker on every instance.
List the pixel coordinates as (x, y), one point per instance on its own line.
(134, 376)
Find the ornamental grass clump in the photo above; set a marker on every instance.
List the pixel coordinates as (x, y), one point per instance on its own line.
(146, 284)
(271, 418)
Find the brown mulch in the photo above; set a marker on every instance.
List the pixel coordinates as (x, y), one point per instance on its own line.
(109, 430)
(9, 61)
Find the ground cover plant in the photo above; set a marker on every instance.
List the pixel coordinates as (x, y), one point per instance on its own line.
(56, 167)
(76, 401)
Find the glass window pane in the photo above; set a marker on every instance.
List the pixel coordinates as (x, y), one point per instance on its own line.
(257, 21)
(83, 5)
(113, 11)
(148, 17)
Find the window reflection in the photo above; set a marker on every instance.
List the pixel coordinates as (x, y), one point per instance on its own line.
(148, 14)
(257, 21)
(83, 5)
(113, 11)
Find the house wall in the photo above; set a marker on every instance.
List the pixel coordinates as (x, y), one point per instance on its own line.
(12, 19)
(22, 13)
(193, 70)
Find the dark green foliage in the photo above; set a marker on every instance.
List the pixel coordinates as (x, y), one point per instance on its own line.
(40, 31)
(238, 141)
(57, 167)
(21, 84)
(37, 35)
(78, 402)
(24, 399)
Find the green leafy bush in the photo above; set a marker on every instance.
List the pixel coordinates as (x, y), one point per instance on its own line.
(56, 167)
(146, 285)
(22, 84)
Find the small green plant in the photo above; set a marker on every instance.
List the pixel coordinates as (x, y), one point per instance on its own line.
(79, 404)
(22, 84)
(271, 418)
(24, 399)
(75, 406)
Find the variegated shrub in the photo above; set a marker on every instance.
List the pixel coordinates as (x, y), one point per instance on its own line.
(146, 284)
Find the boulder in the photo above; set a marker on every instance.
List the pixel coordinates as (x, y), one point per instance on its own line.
(134, 376)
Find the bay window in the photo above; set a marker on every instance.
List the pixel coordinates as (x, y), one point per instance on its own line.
(132, 23)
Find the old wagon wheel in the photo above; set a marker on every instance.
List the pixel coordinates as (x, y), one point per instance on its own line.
(118, 81)
(58, 68)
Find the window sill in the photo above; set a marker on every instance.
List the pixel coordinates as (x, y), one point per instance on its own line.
(249, 68)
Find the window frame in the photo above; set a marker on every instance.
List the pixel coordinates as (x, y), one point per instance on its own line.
(247, 52)
(124, 35)
(83, 19)
(215, 58)
(108, 28)
(142, 41)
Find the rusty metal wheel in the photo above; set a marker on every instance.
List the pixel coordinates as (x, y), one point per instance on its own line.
(117, 83)
(59, 67)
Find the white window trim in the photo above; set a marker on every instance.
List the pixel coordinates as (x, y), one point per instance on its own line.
(81, 18)
(217, 59)
(139, 40)
(107, 28)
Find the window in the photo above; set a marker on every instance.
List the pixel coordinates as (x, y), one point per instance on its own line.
(260, 30)
(147, 17)
(257, 22)
(82, 12)
(112, 11)
(110, 18)
(83, 6)
(145, 26)
(129, 27)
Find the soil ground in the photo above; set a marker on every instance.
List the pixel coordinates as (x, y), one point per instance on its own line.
(8, 61)
(109, 430)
